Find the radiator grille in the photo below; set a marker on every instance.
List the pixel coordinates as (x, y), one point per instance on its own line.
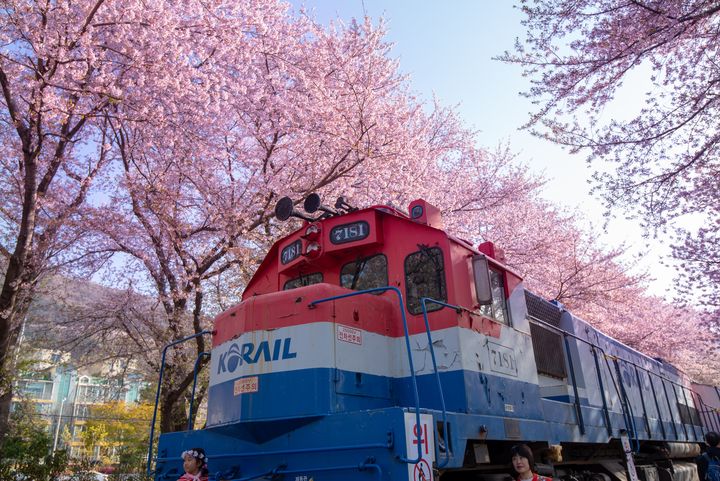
(547, 343)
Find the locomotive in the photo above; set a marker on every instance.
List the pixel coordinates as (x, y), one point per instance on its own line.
(371, 344)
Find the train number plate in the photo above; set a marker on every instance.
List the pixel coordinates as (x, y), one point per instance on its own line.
(349, 232)
(291, 252)
(502, 359)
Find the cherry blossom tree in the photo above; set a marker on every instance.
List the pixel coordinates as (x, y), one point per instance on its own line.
(313, 110)
(192, 120)
(57, 79)
(663, 159)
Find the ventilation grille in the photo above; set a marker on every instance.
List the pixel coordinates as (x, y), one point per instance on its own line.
(542, 309)
(547, 343)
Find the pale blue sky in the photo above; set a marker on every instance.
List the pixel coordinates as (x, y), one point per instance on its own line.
(447, 49)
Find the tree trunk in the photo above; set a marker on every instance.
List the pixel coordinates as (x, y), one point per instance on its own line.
(14, 283)
(173, 412)
(9, 341)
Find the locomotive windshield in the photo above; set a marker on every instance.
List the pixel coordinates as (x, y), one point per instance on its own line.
(365, 273)
(425, 277)
(304, 280)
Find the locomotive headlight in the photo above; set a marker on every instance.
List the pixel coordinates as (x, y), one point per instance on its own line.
(312, 232)
(312, 250)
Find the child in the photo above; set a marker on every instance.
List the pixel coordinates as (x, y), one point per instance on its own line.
(195, 465)
(524, 463)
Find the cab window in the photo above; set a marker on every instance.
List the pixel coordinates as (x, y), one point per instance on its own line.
(303, 281)
(498, 309)
(425, 277)
(365, 273)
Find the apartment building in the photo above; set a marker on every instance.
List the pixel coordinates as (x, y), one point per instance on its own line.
(63, 395)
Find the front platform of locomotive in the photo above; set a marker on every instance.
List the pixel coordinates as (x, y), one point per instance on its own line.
(332, 363)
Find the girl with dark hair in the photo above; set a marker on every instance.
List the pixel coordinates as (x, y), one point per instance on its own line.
(195, 465)
(523, 463)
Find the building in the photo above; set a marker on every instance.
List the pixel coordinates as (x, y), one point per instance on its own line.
(64, 395)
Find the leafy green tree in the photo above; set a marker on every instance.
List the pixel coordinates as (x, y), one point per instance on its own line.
(27, 452)
(122, 431)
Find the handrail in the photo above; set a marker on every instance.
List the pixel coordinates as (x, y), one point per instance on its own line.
(546, 324)
(157, 394)
(689, 414)
(672, 417)
(651, 373)
(714, 425)
(608, 422)
(642, 401)
(409, 352)
(294, 451)
(192, 396)
(626, 406)
(677, 403)
(705, 417)
(657, 407)
(578, 406)
(605, 356)
(423, 301)
(280, 470)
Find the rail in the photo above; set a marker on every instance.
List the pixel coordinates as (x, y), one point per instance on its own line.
(576, 394)
(457, 309)
(367, 465)
(192, 396)
(662, 378)
(409, 353)
(157, 394)
(388, 444)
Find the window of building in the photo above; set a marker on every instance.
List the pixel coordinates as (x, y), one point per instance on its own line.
(365, 273)
(41, 390)
(498, 309)
(44, 408)
(82, 411)
(303, 281)
(425, 277)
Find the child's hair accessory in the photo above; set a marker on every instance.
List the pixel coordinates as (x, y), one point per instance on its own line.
(197, 453)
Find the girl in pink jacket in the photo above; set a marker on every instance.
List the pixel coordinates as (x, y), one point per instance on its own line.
(195, 465)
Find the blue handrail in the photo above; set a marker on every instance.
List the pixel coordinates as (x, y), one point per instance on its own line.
(409, 351)
(279, 471)
(157, 394)
(423, 301)
(662, 378)
(192, 397)
(249, 454)
(576, 394)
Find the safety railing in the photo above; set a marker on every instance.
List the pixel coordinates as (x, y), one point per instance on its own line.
(409, 353)
(192, 396)
(627, 414)
(157, 394)
(368, 465)
(228, 476)
(458, 309)
(250, 454)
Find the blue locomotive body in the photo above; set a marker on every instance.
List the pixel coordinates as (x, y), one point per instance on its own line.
(373, 345)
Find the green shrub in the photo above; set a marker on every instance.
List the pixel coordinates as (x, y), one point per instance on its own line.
(26, 454)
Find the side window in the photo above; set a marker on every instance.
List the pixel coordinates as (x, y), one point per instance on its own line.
(425, 277)
(303, 281)
(365, 273)
(498, 309)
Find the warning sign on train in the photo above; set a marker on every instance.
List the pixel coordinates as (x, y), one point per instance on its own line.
(423, 435)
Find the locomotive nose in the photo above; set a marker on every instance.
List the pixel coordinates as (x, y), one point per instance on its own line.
(331, 357)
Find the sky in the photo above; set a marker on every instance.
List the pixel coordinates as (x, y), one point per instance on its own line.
(447, 49)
